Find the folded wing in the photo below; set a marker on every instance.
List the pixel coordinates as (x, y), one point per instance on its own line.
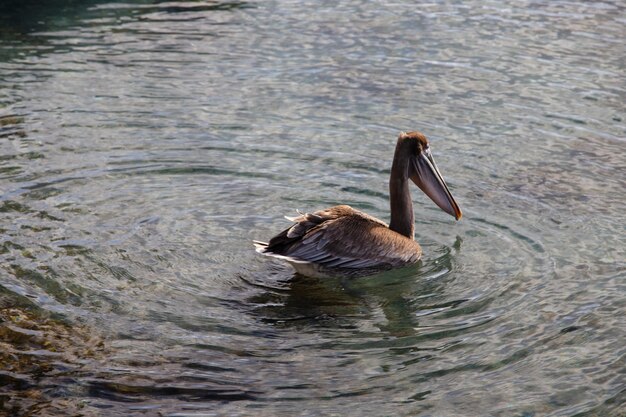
(341, 238)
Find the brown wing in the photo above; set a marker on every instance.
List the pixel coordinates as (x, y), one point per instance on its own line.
(341, 237)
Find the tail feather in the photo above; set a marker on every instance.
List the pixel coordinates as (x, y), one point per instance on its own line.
(260, 246)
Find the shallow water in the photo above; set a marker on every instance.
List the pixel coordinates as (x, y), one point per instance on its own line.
(144, 144)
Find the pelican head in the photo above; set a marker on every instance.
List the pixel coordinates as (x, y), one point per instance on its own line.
(424, 172)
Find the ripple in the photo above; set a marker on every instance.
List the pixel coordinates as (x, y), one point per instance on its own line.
(143, 146)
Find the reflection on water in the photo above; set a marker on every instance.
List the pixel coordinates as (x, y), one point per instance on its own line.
(144, 144)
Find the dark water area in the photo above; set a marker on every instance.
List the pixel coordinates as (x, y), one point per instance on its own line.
(144, 144)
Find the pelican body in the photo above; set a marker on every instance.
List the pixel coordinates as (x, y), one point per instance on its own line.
(347, 242)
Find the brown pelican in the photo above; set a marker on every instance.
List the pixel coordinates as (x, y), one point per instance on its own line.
(343, 241)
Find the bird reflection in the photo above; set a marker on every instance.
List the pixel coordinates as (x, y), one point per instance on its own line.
(389, 302)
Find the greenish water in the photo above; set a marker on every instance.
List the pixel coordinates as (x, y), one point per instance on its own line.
(144, 144)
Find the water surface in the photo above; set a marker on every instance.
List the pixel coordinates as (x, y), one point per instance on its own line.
(144, 144)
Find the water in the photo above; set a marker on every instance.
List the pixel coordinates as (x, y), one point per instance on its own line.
(144, 144)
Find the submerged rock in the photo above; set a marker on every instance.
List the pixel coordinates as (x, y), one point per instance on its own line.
(40, 360)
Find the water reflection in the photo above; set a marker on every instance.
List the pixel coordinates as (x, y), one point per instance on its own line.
(389, 303)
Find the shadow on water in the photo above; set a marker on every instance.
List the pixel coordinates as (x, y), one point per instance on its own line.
(27, 21)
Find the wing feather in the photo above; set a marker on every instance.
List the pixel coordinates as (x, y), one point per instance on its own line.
(341, 237)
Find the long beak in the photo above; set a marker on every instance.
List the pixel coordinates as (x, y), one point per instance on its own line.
(428, 178)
